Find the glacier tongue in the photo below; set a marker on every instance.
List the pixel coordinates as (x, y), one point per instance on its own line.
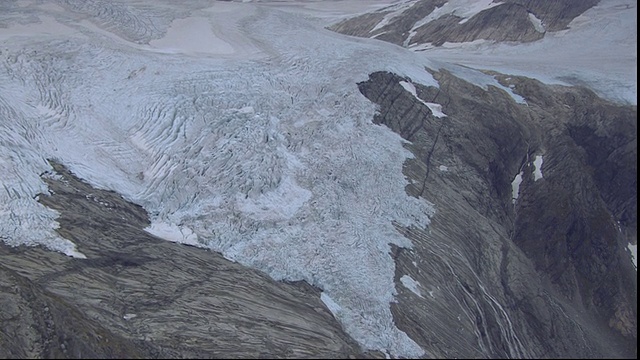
(271, 160)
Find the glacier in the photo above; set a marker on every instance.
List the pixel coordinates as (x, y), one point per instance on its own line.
(256, 144)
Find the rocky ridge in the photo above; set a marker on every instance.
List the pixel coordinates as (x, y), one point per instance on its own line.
(546, 276)
(511, 20)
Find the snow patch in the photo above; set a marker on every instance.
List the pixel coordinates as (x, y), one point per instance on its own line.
(331, 305)
(634, 254)
(393, 12)
(411, 284)
(537, 23)
(515, 186)
(481, 79)
(436, 109)
(464, 9)
(537, 171)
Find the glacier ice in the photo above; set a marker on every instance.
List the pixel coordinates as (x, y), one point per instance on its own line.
(263, 151)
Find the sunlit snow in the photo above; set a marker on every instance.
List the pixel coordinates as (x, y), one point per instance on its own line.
(537, 170)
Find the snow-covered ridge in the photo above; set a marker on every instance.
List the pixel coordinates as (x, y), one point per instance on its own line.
(263, 150)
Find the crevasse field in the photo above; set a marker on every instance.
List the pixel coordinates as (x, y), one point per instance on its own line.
(253, 142)
(238, 126)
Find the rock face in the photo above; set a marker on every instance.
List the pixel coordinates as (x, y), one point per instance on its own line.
(138, 296)
(420, 23)
(543, 275)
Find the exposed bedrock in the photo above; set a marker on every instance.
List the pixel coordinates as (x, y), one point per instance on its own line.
(545, 275)
(511, 20)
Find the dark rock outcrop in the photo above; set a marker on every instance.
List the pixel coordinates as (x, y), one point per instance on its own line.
(508, 21)
(548, 276)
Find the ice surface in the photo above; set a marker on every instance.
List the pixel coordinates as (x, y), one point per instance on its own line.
(253, 141)
(331, 305)
(264, 151)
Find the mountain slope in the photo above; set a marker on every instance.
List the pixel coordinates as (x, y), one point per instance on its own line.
(412, 23)
(367, 181)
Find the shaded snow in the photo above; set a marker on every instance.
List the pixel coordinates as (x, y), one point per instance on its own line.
(537, 23)
(537, 171)
(515, 187)
(436, 109)
(633, 249)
